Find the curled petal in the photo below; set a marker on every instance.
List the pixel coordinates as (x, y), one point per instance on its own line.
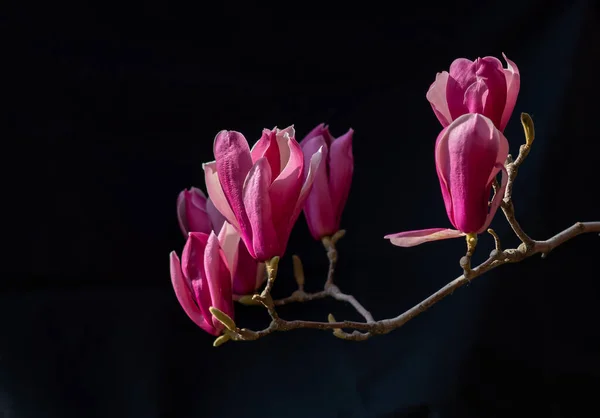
(341, 168)
(267, 147)
(215, 191)
(318, 208)
(234, 161)
(315, 161)
(192, 265)
(191, 211)
(264, 243)
(185, 297)
(218, 279)
(513, 84)
(229, 240)
(437, 98)
(412, 238)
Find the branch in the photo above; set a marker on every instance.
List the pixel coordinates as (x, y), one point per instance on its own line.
(362, 330)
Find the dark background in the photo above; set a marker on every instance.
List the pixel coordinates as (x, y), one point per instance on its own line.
(116, 109)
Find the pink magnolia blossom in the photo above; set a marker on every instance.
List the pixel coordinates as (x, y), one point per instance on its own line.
(202, 279)
(481, 86)
(325, 203)
(260, 191)
(196, 213)
(469, 153)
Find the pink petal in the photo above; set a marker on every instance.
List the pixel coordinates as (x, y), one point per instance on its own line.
(455, 98)
(319, 130)
(265, 243)
(192, 211)
(267, 147)
(437, 98)
(513, 84)
(185, 297)
(216, 218)
(315, 161)
(261, 274)
(215, 191)
(319, 206)
(497, 198)
(284, 190)
(470, 146)
(463, 71)
(490, 71)
(283, 137)
(442, 167)
(245, 279)
(229, 240)
(192, 265)
(412, 238)
(218, 279)
(234, 161)
(475, 95)
(341, 168)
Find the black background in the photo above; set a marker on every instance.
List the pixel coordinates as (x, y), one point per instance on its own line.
(116, 109)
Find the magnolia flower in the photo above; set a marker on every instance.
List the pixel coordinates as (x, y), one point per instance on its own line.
(480, 86)
(469, 153)
(326, 201)
(196, 213)
(260, 191)
(202, 280)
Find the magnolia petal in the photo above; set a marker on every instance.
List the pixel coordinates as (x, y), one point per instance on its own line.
(490, 71)
(475, 95)
(442, 167)
(185, 297)
(319, 130)
(245, 280)
(513, 84)
(218, 279)
(264, 244)
(341, 169)
(192, 265)
(216, 218)
(412, 238)
(284, 190)
(234, 162)
(215, 192)
(229, 240)
(267, 147)
(318, 207)
(436, 95)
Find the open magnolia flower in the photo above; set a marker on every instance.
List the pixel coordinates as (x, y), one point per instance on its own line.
(469, 153)
(481, 86)
(203, 279)
(325, 203)
(260, 191)
(196, 213)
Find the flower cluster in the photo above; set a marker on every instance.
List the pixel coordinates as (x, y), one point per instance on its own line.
(473, 102)
(255, 196)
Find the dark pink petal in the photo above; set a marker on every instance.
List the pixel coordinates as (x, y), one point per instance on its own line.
(475, 96)
(234, 162)
(442, 167)
(490, 71)
(215, 191)
(245, 279)
(319, 207)
(470, 147)
(341, 168)
(267, 147)
(185, 297)
(464, 72)
(216, 218)
(412, 238)
(283, 136)
(315, 161)
(192, 215)
(437, 98)
(285, 189)
(318, 130)
(192, 265)
(455, 97)
(513, 84)
(218, 279)
(265, 241)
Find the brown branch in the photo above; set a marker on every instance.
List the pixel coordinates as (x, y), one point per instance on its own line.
(363, 331)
